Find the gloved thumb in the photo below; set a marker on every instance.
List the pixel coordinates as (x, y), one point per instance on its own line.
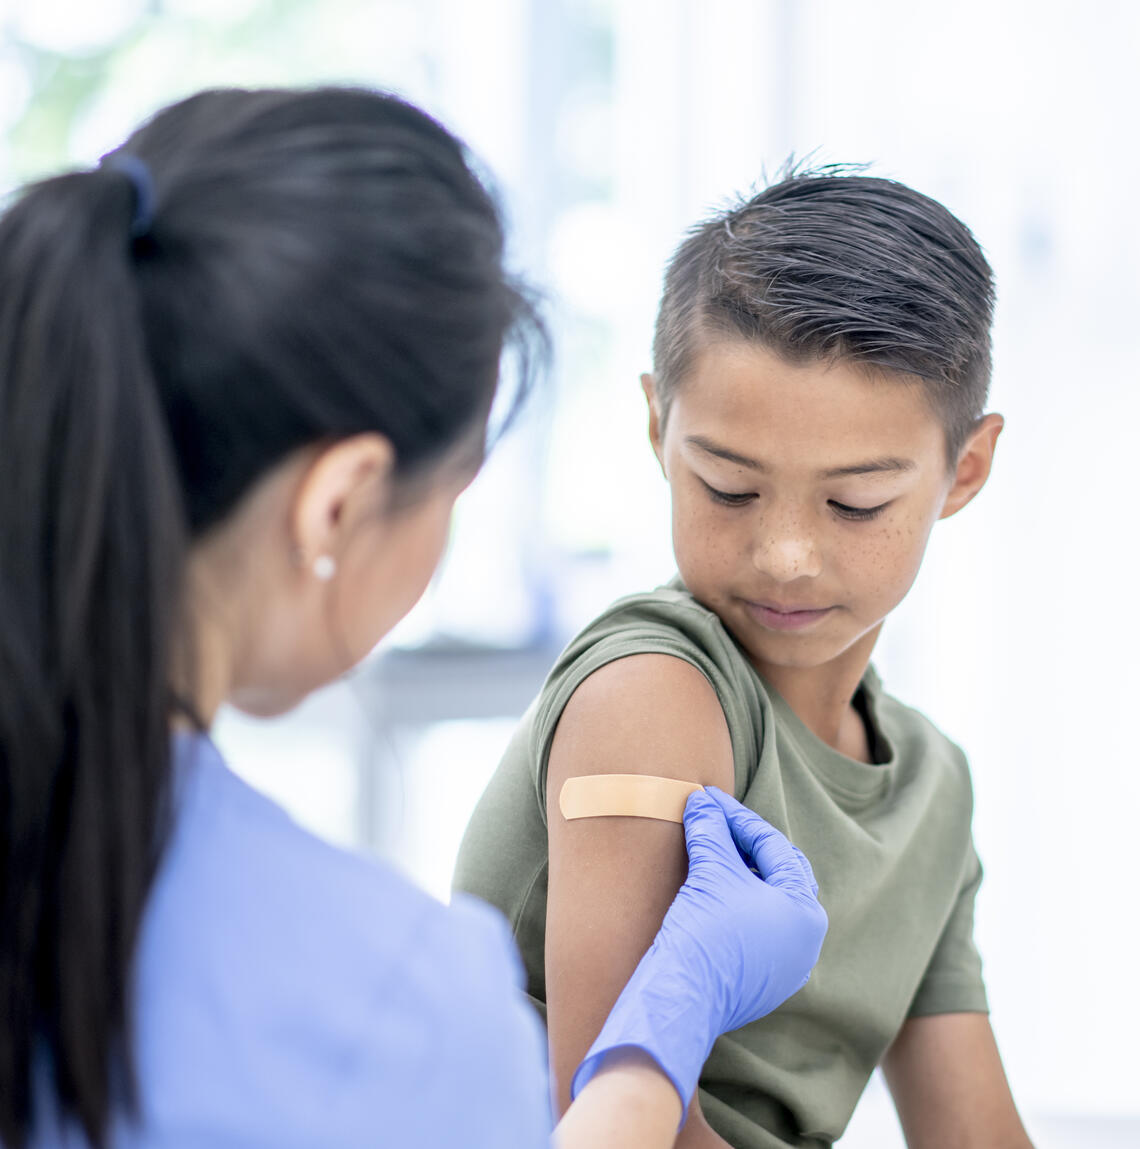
(707, 834)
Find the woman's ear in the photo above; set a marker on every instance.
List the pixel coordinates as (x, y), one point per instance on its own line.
(344, 482)
(649, 386)
(974, 464)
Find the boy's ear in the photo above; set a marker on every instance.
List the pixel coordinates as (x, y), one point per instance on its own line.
(649, 386)
(974, 464)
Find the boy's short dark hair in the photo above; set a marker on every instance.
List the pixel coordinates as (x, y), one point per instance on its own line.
(830, 265)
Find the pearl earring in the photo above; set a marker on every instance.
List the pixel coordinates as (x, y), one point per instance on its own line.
(324, 567)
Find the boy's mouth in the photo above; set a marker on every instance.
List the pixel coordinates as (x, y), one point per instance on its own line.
(775, 616)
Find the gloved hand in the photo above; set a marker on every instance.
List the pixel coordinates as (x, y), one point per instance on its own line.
(732, 947)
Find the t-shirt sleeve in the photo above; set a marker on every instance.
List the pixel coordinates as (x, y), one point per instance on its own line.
(953, 981)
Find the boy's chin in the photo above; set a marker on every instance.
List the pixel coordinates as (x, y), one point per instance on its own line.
(787, 658)
(803, 652)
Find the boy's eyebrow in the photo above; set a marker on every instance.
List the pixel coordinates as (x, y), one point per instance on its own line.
(869, 467)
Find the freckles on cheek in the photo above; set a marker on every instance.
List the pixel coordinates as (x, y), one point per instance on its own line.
(697, 545)
(687, 525)
(893, 558)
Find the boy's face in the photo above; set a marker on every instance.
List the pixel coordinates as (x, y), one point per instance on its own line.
(803, 497)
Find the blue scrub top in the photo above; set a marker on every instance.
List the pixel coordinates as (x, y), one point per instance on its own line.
(293, 994)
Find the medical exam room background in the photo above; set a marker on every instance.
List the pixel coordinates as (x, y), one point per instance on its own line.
(609, 126)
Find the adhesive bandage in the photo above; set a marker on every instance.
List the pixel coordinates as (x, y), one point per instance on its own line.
(628, 795)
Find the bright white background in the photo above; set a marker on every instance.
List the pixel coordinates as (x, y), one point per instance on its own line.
(610, 125)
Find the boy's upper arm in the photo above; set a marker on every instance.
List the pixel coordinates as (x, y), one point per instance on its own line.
(612, 879)
(949, 1087)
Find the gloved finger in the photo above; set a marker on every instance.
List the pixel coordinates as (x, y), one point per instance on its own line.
(778, 862)
(742, 840)
(755, 834)
(809, 873)
(706, 829)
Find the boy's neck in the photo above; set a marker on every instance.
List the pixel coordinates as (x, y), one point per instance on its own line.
(821, 696)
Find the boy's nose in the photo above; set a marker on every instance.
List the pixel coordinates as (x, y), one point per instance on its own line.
(787, 556)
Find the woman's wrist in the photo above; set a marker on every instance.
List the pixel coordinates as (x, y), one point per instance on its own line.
(657, 1015)
(628, 1099)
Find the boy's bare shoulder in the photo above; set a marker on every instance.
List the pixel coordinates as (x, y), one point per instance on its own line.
(655, 684)
(644, 714)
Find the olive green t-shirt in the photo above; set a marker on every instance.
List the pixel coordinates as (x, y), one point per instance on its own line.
(890, 845)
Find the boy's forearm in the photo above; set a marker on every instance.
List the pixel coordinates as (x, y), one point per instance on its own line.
(949, 1087)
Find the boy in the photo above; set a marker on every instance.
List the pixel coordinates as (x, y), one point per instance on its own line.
(821, 364)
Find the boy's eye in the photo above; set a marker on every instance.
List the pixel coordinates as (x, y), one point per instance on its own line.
(857, 514)
(726, 498)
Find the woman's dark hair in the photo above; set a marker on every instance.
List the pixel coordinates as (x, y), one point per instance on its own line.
(317, 264)
(829, 264)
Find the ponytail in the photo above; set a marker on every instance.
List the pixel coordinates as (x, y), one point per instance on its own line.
(304, 266)
(91, 565)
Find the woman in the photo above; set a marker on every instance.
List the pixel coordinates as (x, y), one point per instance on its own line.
(245, 369)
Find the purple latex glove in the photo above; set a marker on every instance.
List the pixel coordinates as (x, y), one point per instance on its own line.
(734, 945)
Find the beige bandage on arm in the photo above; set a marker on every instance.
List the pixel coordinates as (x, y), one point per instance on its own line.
(625, 795)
